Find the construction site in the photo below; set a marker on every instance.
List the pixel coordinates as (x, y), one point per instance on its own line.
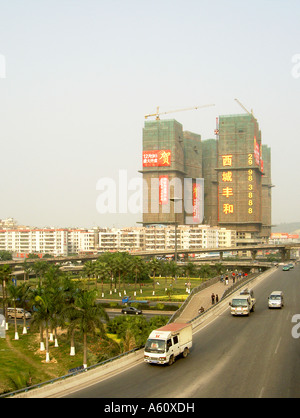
(223, 181)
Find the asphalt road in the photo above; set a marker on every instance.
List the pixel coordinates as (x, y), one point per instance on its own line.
(234, 357)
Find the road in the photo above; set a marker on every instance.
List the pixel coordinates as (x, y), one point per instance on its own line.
(235, 357)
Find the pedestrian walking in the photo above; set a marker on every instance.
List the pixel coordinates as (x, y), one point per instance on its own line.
(212, 298)
(217, 298)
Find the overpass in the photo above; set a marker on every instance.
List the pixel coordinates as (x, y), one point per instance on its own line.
(283, 249)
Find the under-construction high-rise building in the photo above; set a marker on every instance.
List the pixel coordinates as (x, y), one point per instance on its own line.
(172, 163)
(235, 166)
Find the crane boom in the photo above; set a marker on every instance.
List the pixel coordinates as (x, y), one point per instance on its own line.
(157, 114)
(242, 106)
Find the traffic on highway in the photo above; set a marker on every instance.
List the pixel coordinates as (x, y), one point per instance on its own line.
(232, 356)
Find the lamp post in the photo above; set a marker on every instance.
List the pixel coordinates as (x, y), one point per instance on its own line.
(175, 199)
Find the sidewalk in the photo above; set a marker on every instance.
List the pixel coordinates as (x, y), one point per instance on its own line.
(202, 298)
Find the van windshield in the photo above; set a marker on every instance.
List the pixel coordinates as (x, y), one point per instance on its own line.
(275, 297)
(239, 302)
(155, 346)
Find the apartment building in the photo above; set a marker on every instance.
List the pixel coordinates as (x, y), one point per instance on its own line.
(124, 239)
(63, 242)
(156, 238)
(44, 241)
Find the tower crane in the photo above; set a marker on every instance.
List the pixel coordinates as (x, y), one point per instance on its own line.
(242, 106)
(158, 113)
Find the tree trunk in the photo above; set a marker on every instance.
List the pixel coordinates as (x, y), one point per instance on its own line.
(85, 350)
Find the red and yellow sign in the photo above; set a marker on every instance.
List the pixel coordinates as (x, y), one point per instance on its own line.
(196, 202)
(227, 160)
(163, 190)
(157, 158)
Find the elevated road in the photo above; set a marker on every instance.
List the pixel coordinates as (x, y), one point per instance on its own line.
(284, 249)
(253, 356)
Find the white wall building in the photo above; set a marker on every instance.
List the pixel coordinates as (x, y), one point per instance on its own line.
(62, 242)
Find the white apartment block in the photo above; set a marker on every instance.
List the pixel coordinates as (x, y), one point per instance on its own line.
(63, 242)
(124, 239)
(157, 238)
(56, 242)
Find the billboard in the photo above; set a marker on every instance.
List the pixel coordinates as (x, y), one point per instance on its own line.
(163, 190)
(157, 158)
(284, 235)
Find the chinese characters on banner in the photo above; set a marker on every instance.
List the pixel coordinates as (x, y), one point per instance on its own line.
(163, 190)
(227, 189)
(196, 203)
(227, 178)
(157, 158)
(256, 152)
(250, 182)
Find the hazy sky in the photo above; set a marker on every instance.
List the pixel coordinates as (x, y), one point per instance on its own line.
(78, 76)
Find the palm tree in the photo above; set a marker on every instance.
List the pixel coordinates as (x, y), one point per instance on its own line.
(54, 286)
(89, 317)
(219, 268)
(173, 269)
(69, 313)
(108, 258)
(13, 296)
(5, 275)
(154, 267)
(24, 294)
(88, 270)
(27, 268)
(205, 270)
(40, 267)
(138, 266)
(119, 268)
(102, 271)
(42, 315)
(190, 269)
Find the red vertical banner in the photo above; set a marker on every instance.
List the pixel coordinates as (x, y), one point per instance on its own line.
(196, 202)
(256, 151)
(163, 190)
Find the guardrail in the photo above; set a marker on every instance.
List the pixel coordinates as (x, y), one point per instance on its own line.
(77, 370)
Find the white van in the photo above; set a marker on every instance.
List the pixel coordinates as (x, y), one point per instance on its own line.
(18, 313)
(275, 300)
(241, 305)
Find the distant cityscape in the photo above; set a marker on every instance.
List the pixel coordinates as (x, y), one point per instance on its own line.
(196, 194)
(22, 240)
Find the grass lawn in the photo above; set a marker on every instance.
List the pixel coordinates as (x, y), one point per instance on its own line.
(176, 290)
(23, 364)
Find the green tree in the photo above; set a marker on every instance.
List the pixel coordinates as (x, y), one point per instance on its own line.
(88, 270)
(42, 315)
(102, 272)
(5, 256)
(23, 299)
(89, 317)
(205, 271)
(138, 267)
(154, 268)
(5, 275)
(40, 267)
(13, 296)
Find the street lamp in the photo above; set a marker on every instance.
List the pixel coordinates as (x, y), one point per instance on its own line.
(175, 199)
